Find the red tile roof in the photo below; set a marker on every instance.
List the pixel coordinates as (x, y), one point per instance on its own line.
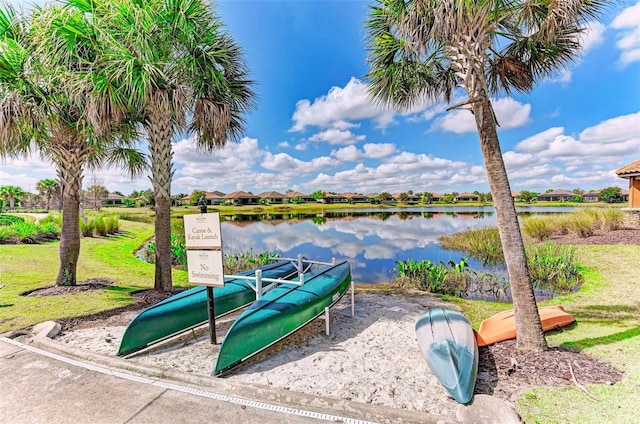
(631, 169)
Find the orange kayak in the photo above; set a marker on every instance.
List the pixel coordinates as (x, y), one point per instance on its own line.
(502, 326)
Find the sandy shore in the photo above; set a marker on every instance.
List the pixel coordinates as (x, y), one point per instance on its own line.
(371, 358)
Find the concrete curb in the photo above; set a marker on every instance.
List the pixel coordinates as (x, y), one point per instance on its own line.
(41, 334)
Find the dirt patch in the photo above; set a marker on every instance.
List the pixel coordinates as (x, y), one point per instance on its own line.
(86, 285)
(506, 372)
(626, 236)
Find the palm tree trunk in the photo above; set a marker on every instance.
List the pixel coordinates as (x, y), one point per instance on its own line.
(528, 327)
(160, 132)
(71, 178)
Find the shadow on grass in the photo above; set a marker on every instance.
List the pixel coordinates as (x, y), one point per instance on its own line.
(607, 314)
(604, 340)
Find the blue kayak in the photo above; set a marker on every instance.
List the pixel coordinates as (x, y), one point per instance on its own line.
(280, 312)
(189, 308)
(449, 346)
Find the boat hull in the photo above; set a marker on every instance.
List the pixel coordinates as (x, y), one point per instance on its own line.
(279, 313)
(189, 309)
(502, 326)
(449, 347)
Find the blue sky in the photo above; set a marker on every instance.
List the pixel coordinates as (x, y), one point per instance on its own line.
(315, 128)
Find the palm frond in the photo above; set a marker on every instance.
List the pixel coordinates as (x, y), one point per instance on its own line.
(404, 72)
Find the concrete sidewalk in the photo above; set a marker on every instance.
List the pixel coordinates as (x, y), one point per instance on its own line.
(45, 381)
(42, 381)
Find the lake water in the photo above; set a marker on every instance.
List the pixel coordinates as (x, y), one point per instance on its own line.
(372, 240)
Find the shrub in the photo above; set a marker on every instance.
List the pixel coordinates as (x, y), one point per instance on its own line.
(10, 219)
(537, 227)
(439, 278)
(55, 219)
(554, 268)
(100, 226)
(86, 228)
(611, 219)
(26, 232)
(482, 244)
(583, 223)
(113, 224)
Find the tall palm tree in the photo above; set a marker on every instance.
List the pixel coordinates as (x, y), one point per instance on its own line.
(43, 110)
(427, 49)
(172, 67)
(12, 193)
(47, 188)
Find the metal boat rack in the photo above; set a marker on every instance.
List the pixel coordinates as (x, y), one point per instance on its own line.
(301, 264)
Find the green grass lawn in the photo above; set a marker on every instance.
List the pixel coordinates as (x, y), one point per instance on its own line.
(25, 268)
(607, 310)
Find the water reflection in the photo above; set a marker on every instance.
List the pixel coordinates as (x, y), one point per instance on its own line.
(371, 239)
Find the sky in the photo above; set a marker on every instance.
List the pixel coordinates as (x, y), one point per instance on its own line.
(315, 128)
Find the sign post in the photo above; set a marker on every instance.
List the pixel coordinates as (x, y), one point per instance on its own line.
(204, 257)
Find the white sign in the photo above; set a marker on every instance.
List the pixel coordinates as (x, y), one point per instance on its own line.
(202, 231)
(205, 267)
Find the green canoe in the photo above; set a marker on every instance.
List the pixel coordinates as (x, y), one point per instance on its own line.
(280, 312)
(449, 346)
(189, 309)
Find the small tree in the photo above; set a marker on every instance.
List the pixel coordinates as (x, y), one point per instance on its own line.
(610, 195)
(10, 194)
(449, 198)
(96, 195)
(528, 196)
(319, 195)
(195, 197)
(385, 196)
(47, 189)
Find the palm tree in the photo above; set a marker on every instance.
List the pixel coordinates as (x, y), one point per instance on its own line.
(180, 71)
(44, 109)
(47, 188)
(11, 193)
(426, 49)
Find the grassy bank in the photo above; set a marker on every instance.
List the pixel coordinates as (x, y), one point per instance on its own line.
(25, 268)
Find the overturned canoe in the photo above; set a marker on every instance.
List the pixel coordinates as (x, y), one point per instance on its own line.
(502, 326)
(280, 312)
(449, 347)
(189, 309)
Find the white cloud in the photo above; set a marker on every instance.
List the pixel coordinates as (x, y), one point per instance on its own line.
(457, 121)
(378, 150)
(339, 106)
(509, 112)
(369, 151)
(286, 165)
(336, 136)
(400, 172)
(554, 159)
(283, 144)
(592, 37)
(539, 141)
(628, 22)
(31, 163)
(613, 130)
(348, 154)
